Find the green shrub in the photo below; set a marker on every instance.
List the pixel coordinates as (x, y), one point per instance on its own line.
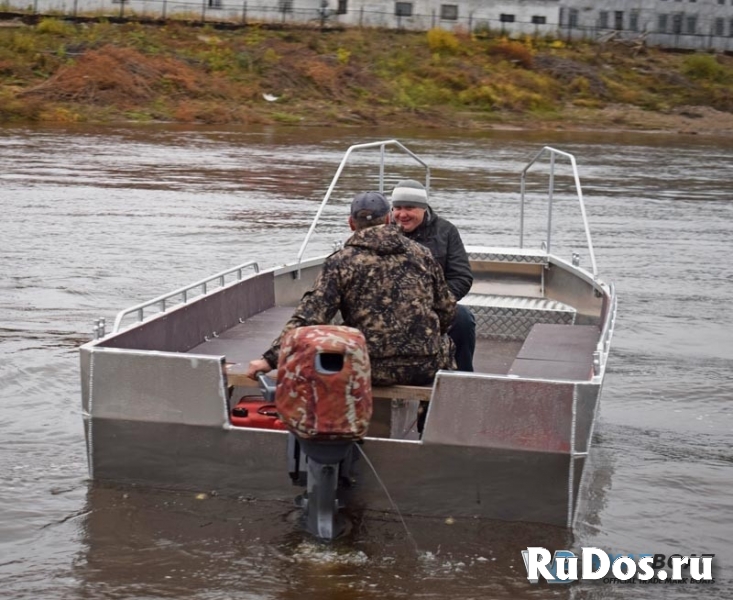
(23, 43)
(480, 95)
(286, 118)
(343, 55)
(442, 41)
(54, 27)
(704, 67)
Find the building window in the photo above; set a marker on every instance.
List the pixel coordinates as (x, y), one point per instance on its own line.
(285, 6)
(618, 20)
(342, 7)
(214, 3)
(573, 18)
(721, 1)
(603, 19)
(677, 23)
(662, 24)
(504, 18)
(449, 12)
(537, 20)
(719, 26)
(403, 9)
(691, 24)
(634, 20)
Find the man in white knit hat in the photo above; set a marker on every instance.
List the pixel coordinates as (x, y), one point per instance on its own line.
(413, 215)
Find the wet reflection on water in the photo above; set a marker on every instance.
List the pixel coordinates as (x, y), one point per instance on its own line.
(98, 219)
(172, 543)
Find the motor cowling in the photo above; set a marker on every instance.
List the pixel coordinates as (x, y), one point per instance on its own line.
(324, 389)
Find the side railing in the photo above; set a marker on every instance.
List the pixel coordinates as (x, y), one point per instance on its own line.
(604, 342)
(178, 297)
(551, 189)
(382, 147)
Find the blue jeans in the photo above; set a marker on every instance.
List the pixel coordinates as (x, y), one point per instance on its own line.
(463, 334)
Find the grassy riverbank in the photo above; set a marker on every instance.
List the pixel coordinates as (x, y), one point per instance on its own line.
(58, 71)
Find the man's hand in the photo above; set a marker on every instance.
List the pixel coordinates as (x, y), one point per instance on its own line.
(259, 365)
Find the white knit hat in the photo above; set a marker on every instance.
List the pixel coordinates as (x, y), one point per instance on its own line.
(410, 193)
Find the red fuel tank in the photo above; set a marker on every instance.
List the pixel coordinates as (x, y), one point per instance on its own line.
(253, 411)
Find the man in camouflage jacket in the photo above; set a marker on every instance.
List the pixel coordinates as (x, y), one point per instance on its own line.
(388, 287)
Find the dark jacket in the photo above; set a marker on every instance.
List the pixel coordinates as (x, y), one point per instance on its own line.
(444, 242)
(394, 292)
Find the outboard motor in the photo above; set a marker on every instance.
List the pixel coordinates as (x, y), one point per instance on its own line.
(324, 396)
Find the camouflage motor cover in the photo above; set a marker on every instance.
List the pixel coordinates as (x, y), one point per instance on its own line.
(324, 405)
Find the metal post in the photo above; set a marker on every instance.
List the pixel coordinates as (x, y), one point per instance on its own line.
(122, 9)
(521, 208)
(75, 4)
(203, 11)
(549, 199)
(381, 169)
(244, 12)
(323, 13)
(165, 6)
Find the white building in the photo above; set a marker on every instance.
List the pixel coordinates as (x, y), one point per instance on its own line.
(694, 24)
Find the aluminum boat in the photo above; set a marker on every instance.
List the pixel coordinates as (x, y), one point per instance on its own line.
(509, 441)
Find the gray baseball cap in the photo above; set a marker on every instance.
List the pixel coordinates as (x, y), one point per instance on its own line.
(369, 205)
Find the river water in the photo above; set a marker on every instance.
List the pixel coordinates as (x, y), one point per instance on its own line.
(97, 219)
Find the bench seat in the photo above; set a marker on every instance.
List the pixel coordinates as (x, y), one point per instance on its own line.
(236, 377)
(557, 352)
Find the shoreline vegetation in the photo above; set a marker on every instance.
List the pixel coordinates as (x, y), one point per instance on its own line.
(59, 71)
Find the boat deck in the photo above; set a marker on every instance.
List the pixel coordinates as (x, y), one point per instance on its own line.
(247, 341)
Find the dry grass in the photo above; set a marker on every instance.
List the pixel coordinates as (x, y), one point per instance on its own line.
(117, 76)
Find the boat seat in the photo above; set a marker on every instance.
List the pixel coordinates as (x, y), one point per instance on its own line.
(236, 377)
(512, 317)
(557, 352)
(403, 392)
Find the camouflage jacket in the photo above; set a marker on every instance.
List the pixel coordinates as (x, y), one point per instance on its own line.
(394, 292)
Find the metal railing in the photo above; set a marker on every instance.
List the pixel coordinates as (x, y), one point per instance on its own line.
(184, 294)
(604, 342)
(382, 146)
(551, 189)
